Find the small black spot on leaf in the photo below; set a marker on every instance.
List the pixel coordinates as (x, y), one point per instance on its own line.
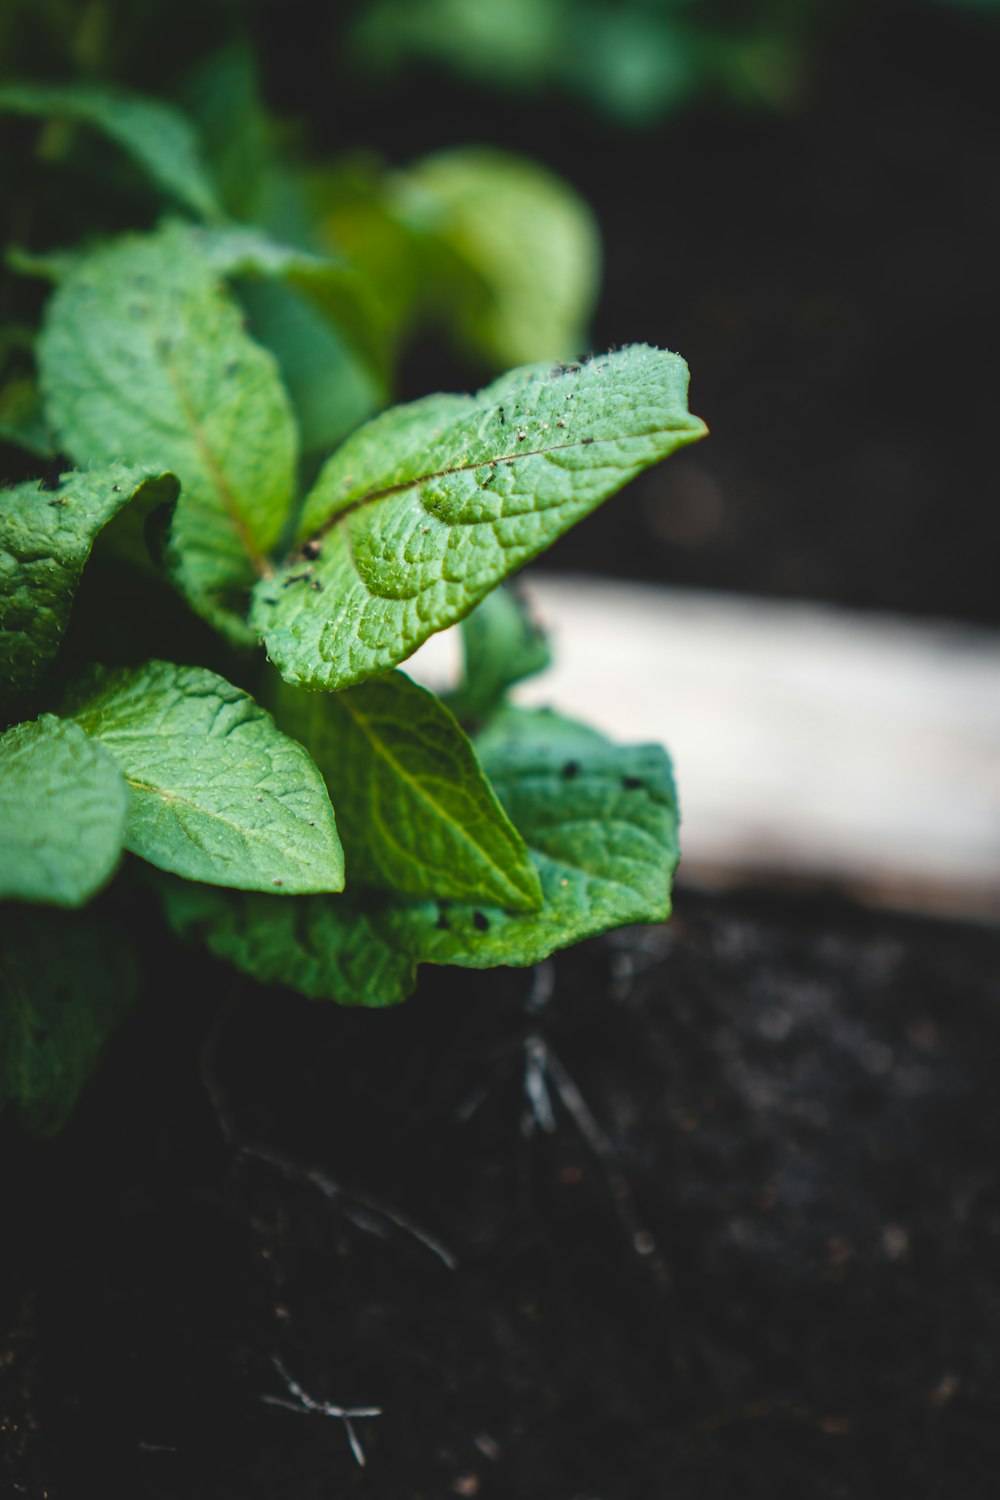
(571, 769)
(632, 783)
(481, 921)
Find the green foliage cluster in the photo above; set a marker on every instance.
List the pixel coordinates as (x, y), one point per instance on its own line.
(186, 384)
(636, 60)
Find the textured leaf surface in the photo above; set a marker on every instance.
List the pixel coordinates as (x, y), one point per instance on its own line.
(66, 982)
(217, 792)
(45, 540)
(415, 812)
(423, 511)
(326, 947)
(527, 243)
(502, 644)
(143, 356)
(62, 813)
(600, 821)
(156, 135)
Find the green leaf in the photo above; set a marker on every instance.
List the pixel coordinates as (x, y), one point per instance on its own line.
(362, 212)
(416, 814)
(156, 135)
(217, 792)
(325, 947)
(143, 355)
(62, 814)
(241, 250)
(306, 308)
(45, 540)
(528, 247)
(333, 388)
(502, 645)
(600, 821)
(44, 265)
(424, 510)
(66, 983)
(222, 95)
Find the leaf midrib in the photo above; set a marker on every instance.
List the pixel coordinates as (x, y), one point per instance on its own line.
(167, 795)
(513, 457)
(379, 746)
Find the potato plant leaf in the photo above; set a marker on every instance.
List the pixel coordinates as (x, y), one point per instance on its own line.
(502, 645)
(66, 983)
(332, 385)
(522, 252)
(45, 540)
(415, 812)
(325, 947)
(216, 792)
(156, 135)
(241, 250)
(600, 821)
(424, 510)
(307, 309)
(62, 814)
(143, 356)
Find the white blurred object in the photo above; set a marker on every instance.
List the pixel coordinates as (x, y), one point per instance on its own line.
(808, 741)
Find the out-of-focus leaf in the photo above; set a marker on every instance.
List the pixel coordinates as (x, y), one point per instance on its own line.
(522, 253)
(156, 135)
(503, 644)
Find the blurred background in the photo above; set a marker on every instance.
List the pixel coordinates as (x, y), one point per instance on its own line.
(798, 195)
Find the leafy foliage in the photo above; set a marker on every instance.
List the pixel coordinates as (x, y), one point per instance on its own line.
(143, 355)
(424, 511)
(503, 644)
(519, 252)
(600, 822)
(218, 382)
(216, 791)
(635, 59)
(45, 540)
(158, 136)
(417, 815)
(62, 810)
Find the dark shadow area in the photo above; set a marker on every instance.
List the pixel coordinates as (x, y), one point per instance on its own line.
(755, 1254)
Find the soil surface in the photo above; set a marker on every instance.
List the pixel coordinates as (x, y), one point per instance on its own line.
(706, 1210)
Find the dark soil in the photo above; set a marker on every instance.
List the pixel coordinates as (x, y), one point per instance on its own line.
(757, 1254)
